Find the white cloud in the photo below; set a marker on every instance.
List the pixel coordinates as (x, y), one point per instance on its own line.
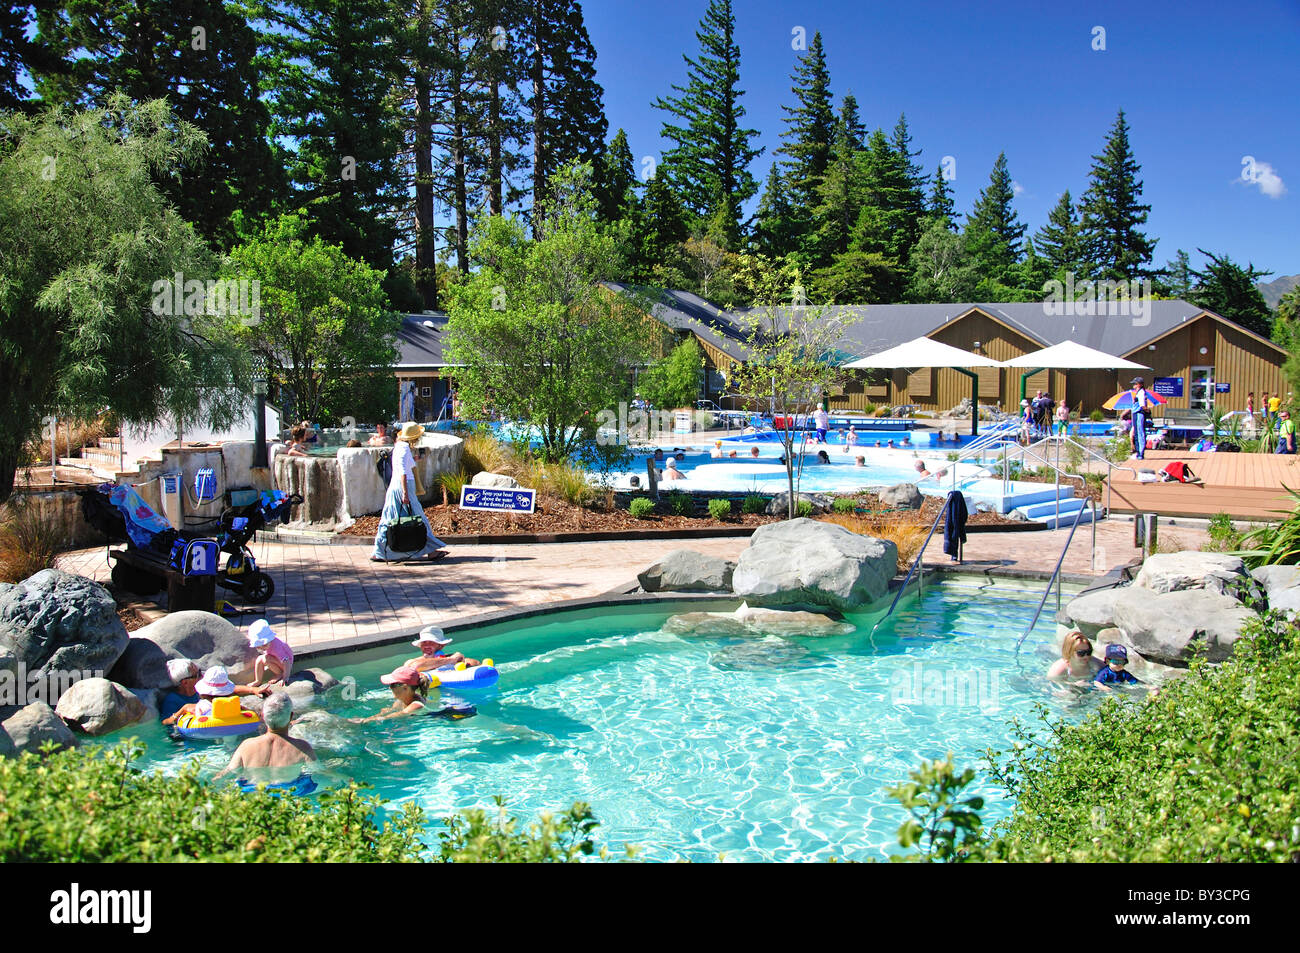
(1016, 187)
(1269, 182)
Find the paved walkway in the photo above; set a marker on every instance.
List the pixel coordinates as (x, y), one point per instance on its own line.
(327, 592)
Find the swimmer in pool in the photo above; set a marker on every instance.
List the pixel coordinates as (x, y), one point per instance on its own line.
(753, 452)
(431, 642)
(860, 461)
(410, 694)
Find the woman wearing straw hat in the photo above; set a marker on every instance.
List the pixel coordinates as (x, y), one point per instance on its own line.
(403, 499)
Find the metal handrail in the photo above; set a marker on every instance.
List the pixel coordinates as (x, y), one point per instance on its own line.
(1058, 439)
(911, 569)
(1056, 574)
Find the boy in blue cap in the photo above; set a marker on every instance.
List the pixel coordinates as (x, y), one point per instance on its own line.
(1113, 673)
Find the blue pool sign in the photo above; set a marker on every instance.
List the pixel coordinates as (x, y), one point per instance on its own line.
(1222, 388)
(497, 499)
(1168, 386)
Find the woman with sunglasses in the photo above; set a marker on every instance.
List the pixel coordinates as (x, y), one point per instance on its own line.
(1077, 661)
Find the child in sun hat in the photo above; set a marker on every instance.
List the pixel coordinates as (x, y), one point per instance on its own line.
(215, 683)
(1113, 673)
(410, 693)
(275, 660)
(431, 642)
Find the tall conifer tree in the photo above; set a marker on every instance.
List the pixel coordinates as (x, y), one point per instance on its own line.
(993, 231)
(1112, 212)
(1060, 242)
(810, 125)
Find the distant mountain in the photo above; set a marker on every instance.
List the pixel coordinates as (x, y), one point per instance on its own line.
(1275, 289)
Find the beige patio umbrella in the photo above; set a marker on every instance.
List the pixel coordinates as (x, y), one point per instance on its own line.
(927, 352)
(1069, 356)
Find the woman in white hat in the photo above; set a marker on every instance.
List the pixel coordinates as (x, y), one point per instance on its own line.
(402, 500)
(431, 642)
(215, 683)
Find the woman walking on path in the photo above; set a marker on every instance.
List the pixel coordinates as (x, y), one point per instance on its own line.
(403, 500)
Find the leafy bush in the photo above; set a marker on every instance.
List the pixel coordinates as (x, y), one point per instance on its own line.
(1118, 448)
(869, 409)
(564, 481)
(1223, 535)
(477, 837)
(679, 503)
(674, 381)
(945, 827)
(641, 507)
(451, 482)
(28, 540)
(754, 503)
(1274, 543)
(1096, 416)
(720, 509)
(844, 504)
(803, 509)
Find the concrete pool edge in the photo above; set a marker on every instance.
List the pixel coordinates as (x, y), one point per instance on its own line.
(620, 597)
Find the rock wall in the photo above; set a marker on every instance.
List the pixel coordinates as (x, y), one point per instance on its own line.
(61, 510)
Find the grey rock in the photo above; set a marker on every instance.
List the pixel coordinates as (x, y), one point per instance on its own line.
(320, 680)
(1017, 516)
(57, 622)
(1170, 572)
(748, 621)
(484, 478)
(7, 749)
(1281, 585)
(779, 505)
(760, 656)
(1092, 611)
(96, 706)
(203, 637)
(689, 571)
(706, 625)
(36, 724)
(329, 733)
(902, 496)
(1174, 627)
(805, 561)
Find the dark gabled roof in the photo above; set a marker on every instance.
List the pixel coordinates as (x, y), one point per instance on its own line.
(420, 341)
(683, 311)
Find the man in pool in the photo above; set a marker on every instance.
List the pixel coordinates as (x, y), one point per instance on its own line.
(753, 452)
(860, 461)
(431, 642)
(275, 749)
(671, 472)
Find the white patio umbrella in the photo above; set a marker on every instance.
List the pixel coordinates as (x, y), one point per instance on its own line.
(1069, 356)
(927, 352)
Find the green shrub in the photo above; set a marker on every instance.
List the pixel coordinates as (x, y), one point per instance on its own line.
(679, 503)
(720, 509)
(1096, 416)
(845, 504)
(1204, 772)
(642, 507)
(1274, 543)
(451, 483)
(1223, 535)
(754, 503)
(803, 509)
(90, 805)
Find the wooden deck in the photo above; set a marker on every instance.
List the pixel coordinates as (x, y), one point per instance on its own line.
(1243, 485)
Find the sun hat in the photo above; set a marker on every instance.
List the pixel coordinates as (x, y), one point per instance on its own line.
(431, 633)
(403, 675)
(215, 681)
(672, 463)
(1117, 652)
(411, 431)
(260, 633)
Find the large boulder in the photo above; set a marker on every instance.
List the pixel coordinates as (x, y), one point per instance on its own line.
(902, 496)
(202, 637)
(96, 706)
(1174, 627)
(1170, 572)
(687, 570)
(779, 505)
(485, 478)
(748, 621)
(1092, 611)
(36, 724)
(319, 680)
(57, 622)
(1281, 585)
(7, 749)
(805, 561)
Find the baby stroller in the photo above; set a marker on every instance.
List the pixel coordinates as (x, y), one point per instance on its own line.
(121, 515)
(248, 513)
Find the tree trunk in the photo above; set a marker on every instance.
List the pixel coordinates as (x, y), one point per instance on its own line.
(496, 175)
(458, 160)
(426, 269)
(8, 466)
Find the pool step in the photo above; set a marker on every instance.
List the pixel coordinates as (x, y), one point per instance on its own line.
(1074, 510)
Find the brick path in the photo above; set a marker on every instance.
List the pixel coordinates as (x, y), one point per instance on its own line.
(326, 592)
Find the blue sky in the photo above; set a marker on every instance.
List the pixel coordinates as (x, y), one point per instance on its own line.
(1204, 85)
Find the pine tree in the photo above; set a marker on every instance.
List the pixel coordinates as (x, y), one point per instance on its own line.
(940, 205)
(1176, 278)
(775, 232)
(911, 201)
(993, 232)
(1060, 242)
(889, 217)
(202, 56)
(659, 233)
(851, 122)
(1112, 213)
(614, 182)
(840, 200)
(712, 152)
(565, 102)
(810, 126)
(1226, 288)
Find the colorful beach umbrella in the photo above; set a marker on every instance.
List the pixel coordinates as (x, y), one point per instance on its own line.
(1124, 400)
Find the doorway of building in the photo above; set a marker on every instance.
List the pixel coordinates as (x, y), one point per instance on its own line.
(1201, 391)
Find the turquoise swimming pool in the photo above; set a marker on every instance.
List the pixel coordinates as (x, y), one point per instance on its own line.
(753, 746)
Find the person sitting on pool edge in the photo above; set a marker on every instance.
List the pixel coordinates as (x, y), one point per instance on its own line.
(431, 642)
(274, 662)
(274, 749)
(1077, 660)
(1113, 673)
